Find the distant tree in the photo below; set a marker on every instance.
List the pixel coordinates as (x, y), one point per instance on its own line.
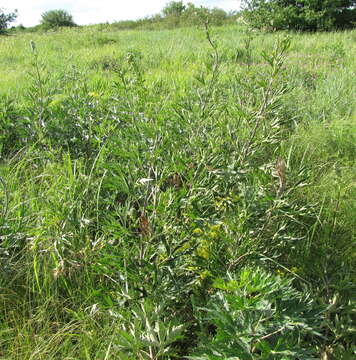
(217, 16)
(6, 19)
(172, 13)
(174, 8)
(17, 28)
(305, 15)
(57, 18)
(194, 15)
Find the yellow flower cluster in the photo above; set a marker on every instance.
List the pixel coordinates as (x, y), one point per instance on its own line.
(223, 203)
(212, 232)
(203, 250)
(280, 273)
(205, 274)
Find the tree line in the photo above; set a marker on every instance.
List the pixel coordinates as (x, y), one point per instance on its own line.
(300, 15)
(174, 14)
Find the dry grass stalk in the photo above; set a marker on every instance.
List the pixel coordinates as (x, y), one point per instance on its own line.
(281, 174)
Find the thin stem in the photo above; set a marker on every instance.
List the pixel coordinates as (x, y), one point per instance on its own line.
(40, 87)
(6, 200)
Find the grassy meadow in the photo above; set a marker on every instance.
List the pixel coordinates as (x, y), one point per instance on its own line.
(177, 194)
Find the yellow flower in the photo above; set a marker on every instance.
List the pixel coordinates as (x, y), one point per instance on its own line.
(94, 94)
(203, 250)
(197, 231)
(163, 257)
(203, 275)
(192, 268)
(185, 246)
(280, 273)
(215, 227)
(213, 234)
(223, 203)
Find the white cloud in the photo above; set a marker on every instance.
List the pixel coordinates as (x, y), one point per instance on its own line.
(98, 11)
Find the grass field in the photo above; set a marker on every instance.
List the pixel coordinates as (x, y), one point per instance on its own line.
(177, 194)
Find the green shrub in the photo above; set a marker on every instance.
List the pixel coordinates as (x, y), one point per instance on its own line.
(174, 8)
(305, 15)
(56, 18)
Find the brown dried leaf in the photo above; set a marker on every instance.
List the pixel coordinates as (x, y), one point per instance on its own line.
(144, 225)
(281, 173)
(175, 180)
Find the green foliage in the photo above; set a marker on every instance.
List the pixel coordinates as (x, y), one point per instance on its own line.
(194, 15)
(6, 19)
(13, 128)
(191, 198)
(304, 15)
(56, 18)
(174, 8)
(149, 334)
(257, 315)
(176, 14)
(172, 13)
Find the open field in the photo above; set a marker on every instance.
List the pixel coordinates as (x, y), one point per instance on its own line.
(163, 196)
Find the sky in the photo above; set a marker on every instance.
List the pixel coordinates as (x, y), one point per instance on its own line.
(98, 11)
